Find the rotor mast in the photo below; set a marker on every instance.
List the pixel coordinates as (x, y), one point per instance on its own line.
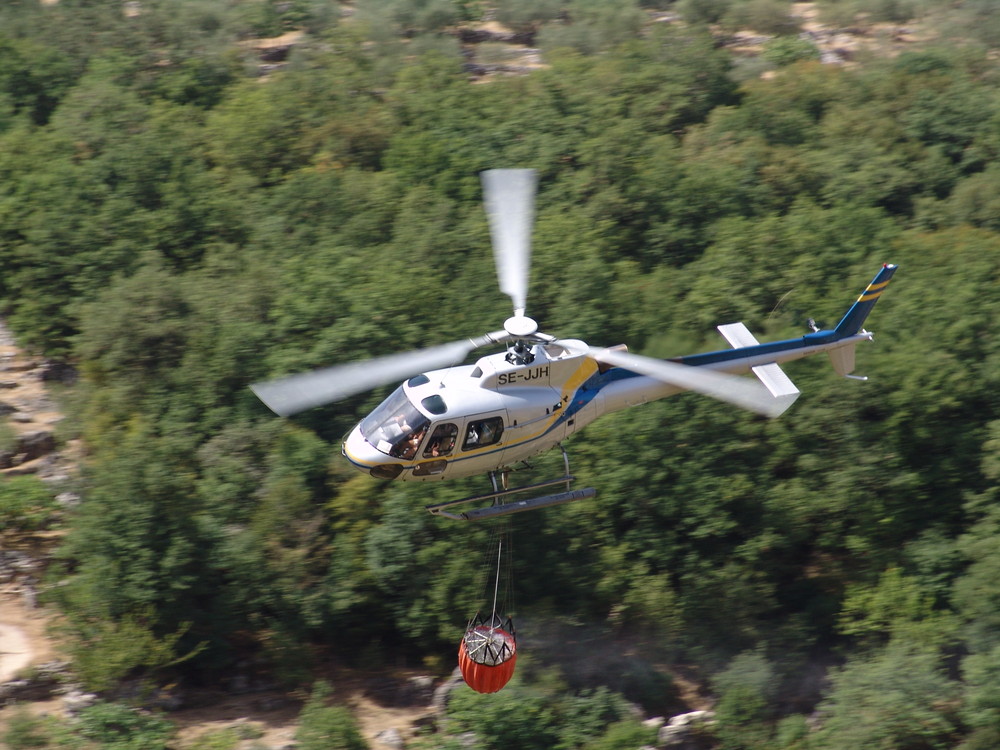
(509, 197)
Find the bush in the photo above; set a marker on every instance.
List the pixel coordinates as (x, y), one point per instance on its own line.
(786, 50)
(24, 731)
(703, 11)
(323, 727)
(624, 735)
(764, 16)
(118, 727)
(25, 504)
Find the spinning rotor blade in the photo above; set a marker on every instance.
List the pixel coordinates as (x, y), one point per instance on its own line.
(733, 389)
(286, 396)
(509, 195)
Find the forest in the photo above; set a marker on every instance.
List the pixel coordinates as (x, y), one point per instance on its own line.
(179, 220)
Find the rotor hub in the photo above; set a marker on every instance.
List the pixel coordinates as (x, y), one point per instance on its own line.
(520, 326)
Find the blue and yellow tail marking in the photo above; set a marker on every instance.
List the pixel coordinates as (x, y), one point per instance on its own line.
(855, 317)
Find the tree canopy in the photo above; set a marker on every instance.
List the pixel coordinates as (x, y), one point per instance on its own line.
(180, 226)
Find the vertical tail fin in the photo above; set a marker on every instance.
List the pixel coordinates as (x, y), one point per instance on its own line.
(855, 317)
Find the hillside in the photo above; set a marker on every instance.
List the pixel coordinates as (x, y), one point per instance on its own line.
(201, 195)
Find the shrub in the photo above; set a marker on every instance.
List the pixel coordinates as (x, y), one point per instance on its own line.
(25, 504)
(786, 50)
(323, 727)
(118, 727)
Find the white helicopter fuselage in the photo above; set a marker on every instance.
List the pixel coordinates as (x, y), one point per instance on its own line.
(474, 419)
(488, 417)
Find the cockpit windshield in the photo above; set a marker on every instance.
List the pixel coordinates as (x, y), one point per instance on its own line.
(396, 427)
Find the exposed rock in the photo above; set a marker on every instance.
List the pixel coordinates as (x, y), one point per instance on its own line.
(68, 499)
(76, 700)
(276, 54)
(36, 443)
(443, 692)
(390, 738)
(57, 372)
(683, 732)
(478, 36)
(19, 366)
(14, 563)
(41, 684)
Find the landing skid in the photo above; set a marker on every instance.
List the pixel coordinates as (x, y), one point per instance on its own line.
(501, 491)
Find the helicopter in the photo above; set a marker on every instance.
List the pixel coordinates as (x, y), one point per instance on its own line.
(448, 420)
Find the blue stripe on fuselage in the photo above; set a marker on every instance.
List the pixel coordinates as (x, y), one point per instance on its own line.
(593, 385)
(775, 347)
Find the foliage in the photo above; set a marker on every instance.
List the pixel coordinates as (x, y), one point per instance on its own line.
(785, 50)
(24, 730)
(26, 504)
(764, 16)
(539, 717)
(323, 727)
(116, 726)
(907, 702)
(623, 735)
(181, 227)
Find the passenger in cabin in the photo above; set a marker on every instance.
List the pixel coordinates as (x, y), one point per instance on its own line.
(442, 441)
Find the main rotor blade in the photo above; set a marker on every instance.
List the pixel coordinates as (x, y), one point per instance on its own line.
(286, 396)
(509, 195)
(745, 393)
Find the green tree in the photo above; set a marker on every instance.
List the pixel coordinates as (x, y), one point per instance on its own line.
(907, 702)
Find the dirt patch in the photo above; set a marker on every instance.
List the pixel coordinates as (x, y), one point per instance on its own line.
(24, 641)
(271, 718)
(375, 719)
(268, 719)
(15, 651)
(24, 638)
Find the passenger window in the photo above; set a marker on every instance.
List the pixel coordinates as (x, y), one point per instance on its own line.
(442, 441)
(483, 432)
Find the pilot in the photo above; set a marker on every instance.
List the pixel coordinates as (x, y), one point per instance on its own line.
(412, 443)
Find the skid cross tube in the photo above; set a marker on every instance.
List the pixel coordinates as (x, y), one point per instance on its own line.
(519, 506)
(438, 508)
(500, 491)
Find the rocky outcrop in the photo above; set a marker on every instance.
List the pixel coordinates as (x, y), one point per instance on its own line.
(41, 684)
(687, 731)
(30, 413)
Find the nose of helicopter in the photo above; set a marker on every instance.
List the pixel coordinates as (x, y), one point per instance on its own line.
(364, 457)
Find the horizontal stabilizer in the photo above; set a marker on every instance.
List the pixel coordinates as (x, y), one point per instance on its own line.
(772, 376)
(738, 335)
(775, 380)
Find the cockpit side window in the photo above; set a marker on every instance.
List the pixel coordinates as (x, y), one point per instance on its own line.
(482, 432)
(396, 427)
(442, 440)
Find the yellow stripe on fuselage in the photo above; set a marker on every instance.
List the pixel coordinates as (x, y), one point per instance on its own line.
(587, 368)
